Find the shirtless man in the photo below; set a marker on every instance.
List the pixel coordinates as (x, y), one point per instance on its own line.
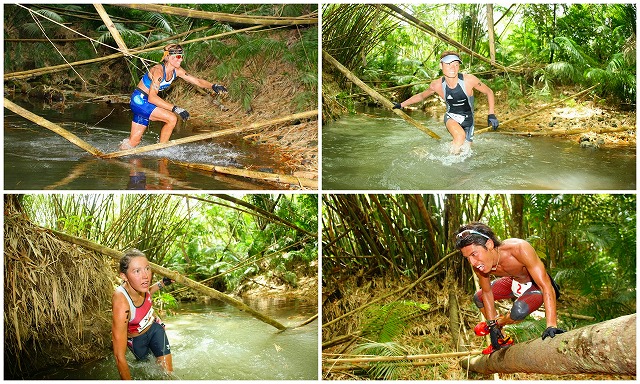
(458, 95)
(522, 277)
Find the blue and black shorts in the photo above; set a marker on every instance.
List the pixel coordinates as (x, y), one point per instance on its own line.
(154, 340)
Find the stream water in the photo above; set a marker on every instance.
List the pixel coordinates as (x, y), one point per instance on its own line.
(384, 152)
(37, 158)
(219, 342)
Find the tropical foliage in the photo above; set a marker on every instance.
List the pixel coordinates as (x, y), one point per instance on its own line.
(377, 247)
(241, 60)
(545, 45)
(222, 240)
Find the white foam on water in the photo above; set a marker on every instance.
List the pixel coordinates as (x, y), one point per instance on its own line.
(442, 153)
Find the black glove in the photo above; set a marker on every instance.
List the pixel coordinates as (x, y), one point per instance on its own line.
(492, 120)
(552, 332)
(181, 111)
(495, 333)
(166, 281)
(217, 88)
(397, 106)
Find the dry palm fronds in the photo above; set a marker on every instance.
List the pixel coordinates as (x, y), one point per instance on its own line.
(55, 301)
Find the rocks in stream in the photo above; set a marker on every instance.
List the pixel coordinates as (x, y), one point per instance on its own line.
(591, 140)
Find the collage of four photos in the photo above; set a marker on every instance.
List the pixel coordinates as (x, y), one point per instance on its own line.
(320, 191)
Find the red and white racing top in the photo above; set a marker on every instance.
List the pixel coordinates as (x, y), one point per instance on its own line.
(141, 317)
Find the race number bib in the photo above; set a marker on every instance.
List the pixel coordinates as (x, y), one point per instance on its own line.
(456, 117)
(519, 288)
(146, 321)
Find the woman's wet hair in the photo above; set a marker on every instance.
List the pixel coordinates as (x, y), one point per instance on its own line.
(475, 233)
(125, 260)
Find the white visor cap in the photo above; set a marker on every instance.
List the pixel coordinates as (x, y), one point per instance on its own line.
(450, 58)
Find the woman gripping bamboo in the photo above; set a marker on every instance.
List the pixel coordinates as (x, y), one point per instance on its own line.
(134, 324)
(147, 105)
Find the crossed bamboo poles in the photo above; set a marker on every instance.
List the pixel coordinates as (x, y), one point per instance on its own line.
(309, 183)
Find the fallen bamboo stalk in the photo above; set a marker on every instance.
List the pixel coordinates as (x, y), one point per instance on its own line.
(52, 127)
(257, 175)
(309, 320)
(210, 135)
(222, 17)
(112, 28)
(172, 275)
(377, 96)
(441, 36)
(556, 132)
(483, 130)
(62, 67)
(377, 359)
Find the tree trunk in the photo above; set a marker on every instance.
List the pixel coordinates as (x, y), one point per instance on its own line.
(608, 347)
(490, 25)
(172, 275)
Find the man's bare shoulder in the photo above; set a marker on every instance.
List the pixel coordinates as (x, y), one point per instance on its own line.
(514, 244)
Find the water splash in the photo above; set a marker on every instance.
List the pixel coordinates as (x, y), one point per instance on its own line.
(442, 153)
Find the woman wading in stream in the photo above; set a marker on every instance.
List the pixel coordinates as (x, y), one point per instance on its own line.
(147, 106)
(134, 325)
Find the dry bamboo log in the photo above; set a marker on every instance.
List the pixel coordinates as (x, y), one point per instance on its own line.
(483, 130)
(223, 17)
(52, 127)
(112, 28)
(62, 67)
(172, 275)
(205, 136)
(256, 175)
(377, 359)
(429, 29)
(371, 92)
(556, 132)
(309, 320)
(265, 213)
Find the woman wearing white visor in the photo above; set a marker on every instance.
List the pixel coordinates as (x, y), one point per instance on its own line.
(456, 89)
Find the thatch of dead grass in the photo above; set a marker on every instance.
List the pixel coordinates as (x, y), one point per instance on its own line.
(56, 300)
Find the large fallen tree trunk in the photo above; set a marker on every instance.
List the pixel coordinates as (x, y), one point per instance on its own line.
(372, 92)
(608, 347)
(172, 275)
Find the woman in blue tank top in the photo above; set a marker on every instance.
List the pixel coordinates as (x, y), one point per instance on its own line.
(456, 89)
(147, 105)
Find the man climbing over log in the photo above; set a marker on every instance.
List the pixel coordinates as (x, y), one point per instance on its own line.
(147, 105)
(522, 276)
(456, 89)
